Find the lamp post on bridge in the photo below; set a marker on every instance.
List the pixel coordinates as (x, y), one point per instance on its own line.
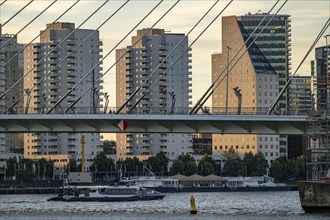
(238, 94)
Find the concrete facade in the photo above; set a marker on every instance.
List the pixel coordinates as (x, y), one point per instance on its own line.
(58, 79)
(133, 69)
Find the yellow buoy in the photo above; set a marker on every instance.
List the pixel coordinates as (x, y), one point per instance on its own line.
(193, 209)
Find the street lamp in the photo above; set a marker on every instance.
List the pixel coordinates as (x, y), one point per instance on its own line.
(106, 96)
(93, 91)
(28, 93)
(238, 94)
(228, 49)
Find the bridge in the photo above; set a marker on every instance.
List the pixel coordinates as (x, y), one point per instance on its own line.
(154, 122)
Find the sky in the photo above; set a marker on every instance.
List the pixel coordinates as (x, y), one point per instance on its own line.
(307, 19)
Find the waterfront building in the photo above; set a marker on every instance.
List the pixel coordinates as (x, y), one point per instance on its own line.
(258, 77)
(12, 70)
(62, 146)
(170, 94)
(321, 78)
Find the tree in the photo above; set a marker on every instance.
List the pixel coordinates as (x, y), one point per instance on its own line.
(233, 163)
(301, 166)
(72, 166)
(290, 170)
(277, 170)
(190, 168)
(25, 176)
(207, 169)
(207, 159)
(11, 166)
(45, 168)
(102, 164)
(131, 164)
(177, 167)
(109, 147)
(159, 162)
(155, 164)
(260, 165)
(186, 158)
(249, 164)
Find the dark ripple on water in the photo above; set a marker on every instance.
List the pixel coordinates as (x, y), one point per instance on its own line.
(210, 205)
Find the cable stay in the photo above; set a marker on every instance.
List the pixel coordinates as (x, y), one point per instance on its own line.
(26, 45)
(28, 24)
(3, 2)
(64, 40)
(272, 106)
(214, 85)
(58, 102)
(137, 102)
(15, 13)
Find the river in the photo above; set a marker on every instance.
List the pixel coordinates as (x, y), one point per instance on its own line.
(222, 205)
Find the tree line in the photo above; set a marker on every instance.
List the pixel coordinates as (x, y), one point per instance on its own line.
(233, 165)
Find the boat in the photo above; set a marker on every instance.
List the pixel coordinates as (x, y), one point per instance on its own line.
(107, 194)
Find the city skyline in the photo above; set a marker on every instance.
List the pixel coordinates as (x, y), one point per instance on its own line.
(302, 14)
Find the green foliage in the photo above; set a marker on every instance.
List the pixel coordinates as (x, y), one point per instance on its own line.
(233, 163)
(11, 166)
(45, 168)
(109, 147)
(159, 162)
(207, 168)
(277, 170)
(102, 164)
(207, 159)
(177, 167)
(72, 166)
(190, 168)
(250, 165)
(283, 169)
(186, 158)
(25, 176)
(131, 164)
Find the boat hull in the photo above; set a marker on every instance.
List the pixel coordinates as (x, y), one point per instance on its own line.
(95, 199)
(315, 196)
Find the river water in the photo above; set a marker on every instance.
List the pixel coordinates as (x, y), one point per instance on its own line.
(222, 205)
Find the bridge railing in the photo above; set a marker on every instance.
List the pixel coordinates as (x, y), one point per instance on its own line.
(160, 111)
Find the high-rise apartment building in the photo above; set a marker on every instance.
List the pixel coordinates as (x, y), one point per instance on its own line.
(300, 95)
(321, 78)
(171, 93)
(259, 75)
(61, 146)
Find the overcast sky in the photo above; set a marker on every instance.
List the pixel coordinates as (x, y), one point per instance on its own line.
(308, 17)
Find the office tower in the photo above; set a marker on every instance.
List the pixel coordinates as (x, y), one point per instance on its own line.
(170, 94)
(61, 146)
(257, 78)
(275, 44)
(300, 95)
(321, 79)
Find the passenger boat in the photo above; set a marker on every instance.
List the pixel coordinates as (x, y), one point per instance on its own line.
(106, 194)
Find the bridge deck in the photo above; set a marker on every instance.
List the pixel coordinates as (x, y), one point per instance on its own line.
(108, 123)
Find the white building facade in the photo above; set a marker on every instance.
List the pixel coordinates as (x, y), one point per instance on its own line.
(170, 94)
(58, 80)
